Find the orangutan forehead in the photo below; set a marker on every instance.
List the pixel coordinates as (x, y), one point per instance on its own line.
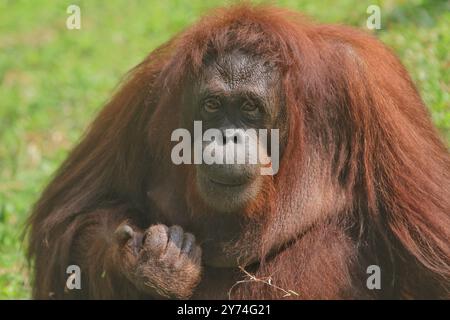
(238, 70)
(238, 67)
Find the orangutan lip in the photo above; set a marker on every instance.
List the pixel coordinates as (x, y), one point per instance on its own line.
(224, 184)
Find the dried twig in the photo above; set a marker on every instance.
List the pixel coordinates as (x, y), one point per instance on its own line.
(266, 281)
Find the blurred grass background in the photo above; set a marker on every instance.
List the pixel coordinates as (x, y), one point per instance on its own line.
(54, 80)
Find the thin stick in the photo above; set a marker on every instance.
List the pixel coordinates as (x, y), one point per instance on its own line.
(266, 281)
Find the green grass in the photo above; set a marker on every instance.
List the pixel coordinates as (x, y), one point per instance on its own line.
(54, 80)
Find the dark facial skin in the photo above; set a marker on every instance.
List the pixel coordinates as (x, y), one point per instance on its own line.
(236, 91)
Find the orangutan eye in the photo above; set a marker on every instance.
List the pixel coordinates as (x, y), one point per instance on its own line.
(249, 106)
(211, 105)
